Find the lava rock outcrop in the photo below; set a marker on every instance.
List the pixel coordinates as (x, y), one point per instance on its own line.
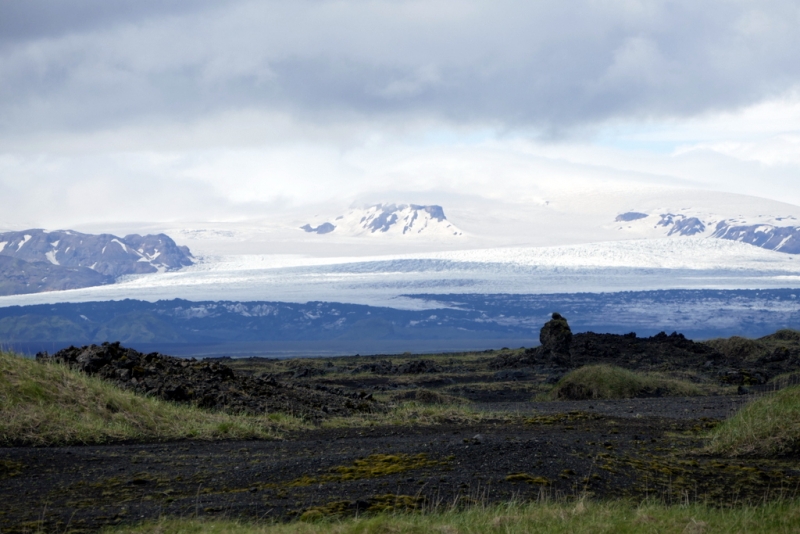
(556, 340)
(207, 384)
(728, 361)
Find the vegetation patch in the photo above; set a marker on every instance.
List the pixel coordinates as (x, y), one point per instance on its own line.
(373, 466)
(10, 468)
(774, 347)
(529, 479)
(418, 414)
(52, 404)
(541, 517)
(562, 418)
(768, 426)
(377, 504)
(427, 396)
(611, 382)
(784, 381)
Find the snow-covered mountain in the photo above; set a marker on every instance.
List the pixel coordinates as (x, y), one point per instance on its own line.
(409, 220)
(35, 261)
(106, 254)
(779, 233)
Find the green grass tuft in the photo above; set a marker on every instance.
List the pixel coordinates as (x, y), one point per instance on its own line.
(417, 414)
(768, 426)
(619, 517)
(610, 382)
(53, 405)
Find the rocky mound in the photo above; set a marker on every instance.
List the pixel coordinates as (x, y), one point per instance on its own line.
(207, 384)
(736, 361)
(662, 351)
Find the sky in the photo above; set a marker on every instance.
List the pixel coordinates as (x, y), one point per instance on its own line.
(145, 110)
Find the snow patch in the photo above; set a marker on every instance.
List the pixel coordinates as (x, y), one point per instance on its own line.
(25, 239)
(51, 257)
(3, 245)
(120, 243)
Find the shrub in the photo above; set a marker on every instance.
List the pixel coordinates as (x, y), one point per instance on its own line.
(610, 382)
(768, 426)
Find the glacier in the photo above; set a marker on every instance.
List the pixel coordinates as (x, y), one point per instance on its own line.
(385, 280)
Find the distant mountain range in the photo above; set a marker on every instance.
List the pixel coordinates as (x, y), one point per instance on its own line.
(768, 232)
(33, 261)
(389, 219)
(412, 220)
(469, 321)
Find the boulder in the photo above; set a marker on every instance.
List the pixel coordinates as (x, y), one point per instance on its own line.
(556, 339)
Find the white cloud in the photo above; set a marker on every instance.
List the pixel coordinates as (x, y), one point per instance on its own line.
(162, 110)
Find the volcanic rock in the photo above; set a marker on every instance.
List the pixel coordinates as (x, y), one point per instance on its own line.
(556, 338)
(207, 384)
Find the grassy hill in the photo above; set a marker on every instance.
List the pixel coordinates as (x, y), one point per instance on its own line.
(54, 405)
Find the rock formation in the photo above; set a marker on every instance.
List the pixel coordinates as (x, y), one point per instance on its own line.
(556, 339)
(207, 384)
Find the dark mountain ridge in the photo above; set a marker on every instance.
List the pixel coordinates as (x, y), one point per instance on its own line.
(458, 321)
(36, 260)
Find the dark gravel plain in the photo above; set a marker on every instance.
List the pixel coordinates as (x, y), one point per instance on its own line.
(552, 450)
(521, 450)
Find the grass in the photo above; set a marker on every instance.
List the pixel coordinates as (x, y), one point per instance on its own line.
(784, 380)
(54, 405)
(767, 426)
(553, 518)
(740, 347)
(751, 350)
(418, 414)
(610, 382)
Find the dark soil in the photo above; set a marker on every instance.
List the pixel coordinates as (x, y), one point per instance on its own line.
(606, 449)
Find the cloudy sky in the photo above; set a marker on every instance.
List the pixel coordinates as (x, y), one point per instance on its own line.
(164, 109)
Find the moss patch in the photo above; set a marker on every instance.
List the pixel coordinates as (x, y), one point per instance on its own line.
(527, 478)
(561, 418)
(376, 504)
(10, 468)
(373, 466)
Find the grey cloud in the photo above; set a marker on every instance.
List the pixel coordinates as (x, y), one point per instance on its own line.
(547, 65)
(36, 19)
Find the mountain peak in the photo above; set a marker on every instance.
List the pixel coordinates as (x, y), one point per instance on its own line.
(764, 231)
(389, 219)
